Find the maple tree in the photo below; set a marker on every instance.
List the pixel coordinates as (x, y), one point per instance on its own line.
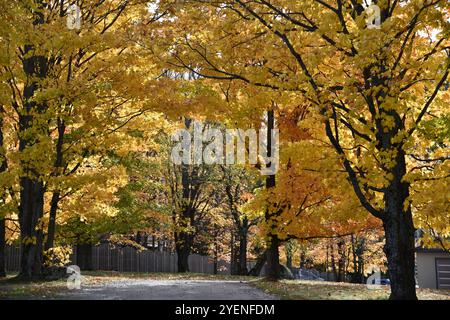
(70, 92)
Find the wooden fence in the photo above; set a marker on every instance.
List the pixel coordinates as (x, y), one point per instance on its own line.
(127, 259)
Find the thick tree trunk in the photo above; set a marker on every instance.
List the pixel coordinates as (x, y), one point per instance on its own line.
(273, 259)
(183, 258)
(183, 245)
(399, 248)
(31, 211)
(399, 251)
(2, 247)
(399, 232)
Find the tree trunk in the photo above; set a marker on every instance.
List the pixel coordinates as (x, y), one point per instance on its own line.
(52, 221)
(31, 210)
(399, 231)
(183, 258)
(273, 259)
(183, 243)
(2, 247)
(399, 250)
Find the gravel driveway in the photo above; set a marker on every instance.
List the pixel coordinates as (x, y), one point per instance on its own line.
(169, 290)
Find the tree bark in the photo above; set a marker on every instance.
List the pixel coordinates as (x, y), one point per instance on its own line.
(31, 210)
(399, 228)
(184, 240)
(183, 252)
(273, 259)
(52, 220)
(399, 247)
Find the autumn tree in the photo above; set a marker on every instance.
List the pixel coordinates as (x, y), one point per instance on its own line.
(73, 96)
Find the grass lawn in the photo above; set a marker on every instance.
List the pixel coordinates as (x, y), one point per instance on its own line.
(321, 290)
